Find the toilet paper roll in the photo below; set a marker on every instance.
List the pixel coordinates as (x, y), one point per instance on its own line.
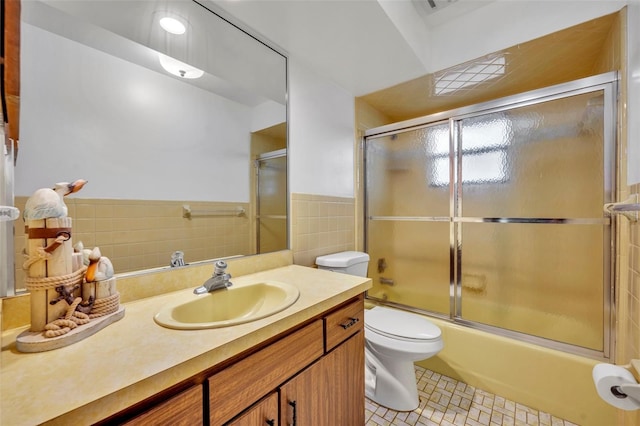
(607, 378)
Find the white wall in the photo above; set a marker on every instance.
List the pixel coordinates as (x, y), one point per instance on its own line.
(321, 134)
(506, 23)
(267, 114)
(134, 141)
(131, 132)
(488, 26)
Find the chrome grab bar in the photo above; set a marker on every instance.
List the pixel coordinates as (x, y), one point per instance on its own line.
(188, 213)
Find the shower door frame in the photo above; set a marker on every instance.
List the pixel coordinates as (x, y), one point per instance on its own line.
(607, 83)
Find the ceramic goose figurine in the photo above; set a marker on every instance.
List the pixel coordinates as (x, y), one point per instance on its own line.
(48, 202)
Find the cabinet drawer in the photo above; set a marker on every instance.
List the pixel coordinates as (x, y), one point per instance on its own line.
(343, 323)
(243, 383)
(182, 409)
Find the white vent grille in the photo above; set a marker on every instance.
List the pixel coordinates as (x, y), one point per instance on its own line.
(428, 7)
(469, 75)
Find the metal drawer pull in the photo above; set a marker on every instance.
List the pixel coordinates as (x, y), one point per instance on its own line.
(352, 321)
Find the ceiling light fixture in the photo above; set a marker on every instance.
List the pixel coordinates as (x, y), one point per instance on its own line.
(172, 25)
(179, 69)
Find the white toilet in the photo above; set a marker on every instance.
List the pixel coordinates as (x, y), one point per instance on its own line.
(394, 340)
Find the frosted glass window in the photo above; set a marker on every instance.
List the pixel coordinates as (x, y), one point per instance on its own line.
(484, 167)
(486, 135)
(552, 164)
(483, 152)
(439, 140)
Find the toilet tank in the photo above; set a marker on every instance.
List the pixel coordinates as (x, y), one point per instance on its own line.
(346, 262)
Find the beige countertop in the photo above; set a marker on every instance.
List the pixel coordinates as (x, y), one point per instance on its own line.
(134, 358)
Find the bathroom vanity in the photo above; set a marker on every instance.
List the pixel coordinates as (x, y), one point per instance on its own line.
(304, 363)
(287, 379)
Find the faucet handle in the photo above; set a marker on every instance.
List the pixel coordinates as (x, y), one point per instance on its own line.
(220, 267)
(177, 259)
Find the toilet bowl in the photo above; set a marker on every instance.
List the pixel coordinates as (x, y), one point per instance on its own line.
(394, 340)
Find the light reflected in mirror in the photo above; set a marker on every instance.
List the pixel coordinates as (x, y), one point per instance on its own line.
(97, 104)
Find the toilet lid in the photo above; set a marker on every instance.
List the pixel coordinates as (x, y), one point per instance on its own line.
(392, 322)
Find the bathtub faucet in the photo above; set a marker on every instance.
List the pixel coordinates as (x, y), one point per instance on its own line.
(386, 281)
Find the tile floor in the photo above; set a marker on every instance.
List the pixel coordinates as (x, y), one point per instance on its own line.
(445, 401)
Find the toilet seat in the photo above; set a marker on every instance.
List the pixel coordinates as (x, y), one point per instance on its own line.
(400, 325)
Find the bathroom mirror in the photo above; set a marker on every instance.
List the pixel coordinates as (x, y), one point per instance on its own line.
(169, 126)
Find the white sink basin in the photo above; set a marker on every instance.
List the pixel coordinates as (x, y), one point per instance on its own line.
(222, 308)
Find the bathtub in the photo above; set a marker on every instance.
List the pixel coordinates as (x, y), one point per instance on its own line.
(545, 379)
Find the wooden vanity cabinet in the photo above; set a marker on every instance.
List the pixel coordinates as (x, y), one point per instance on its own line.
(183, 409)
(329, 392)
(241, 384)
(317, 373)
(264, 413)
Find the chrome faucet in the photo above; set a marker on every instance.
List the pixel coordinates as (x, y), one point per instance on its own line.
(219, 279)
(177, 259)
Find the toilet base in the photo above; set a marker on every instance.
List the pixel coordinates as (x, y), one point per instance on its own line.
(392, 386)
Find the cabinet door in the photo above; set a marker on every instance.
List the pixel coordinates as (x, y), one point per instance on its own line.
(304, 399)
(240, 385)
(330, 392)
(264, 413)
(182, 409)
(347, 372)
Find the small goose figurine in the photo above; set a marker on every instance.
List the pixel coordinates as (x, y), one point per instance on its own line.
(49, 202)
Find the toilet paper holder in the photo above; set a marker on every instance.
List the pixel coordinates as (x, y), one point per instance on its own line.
(629, 390)
(624, 391)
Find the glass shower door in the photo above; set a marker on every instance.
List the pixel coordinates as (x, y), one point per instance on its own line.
(532, 233)
(408, 224)
(271, 210)
(494, 219)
